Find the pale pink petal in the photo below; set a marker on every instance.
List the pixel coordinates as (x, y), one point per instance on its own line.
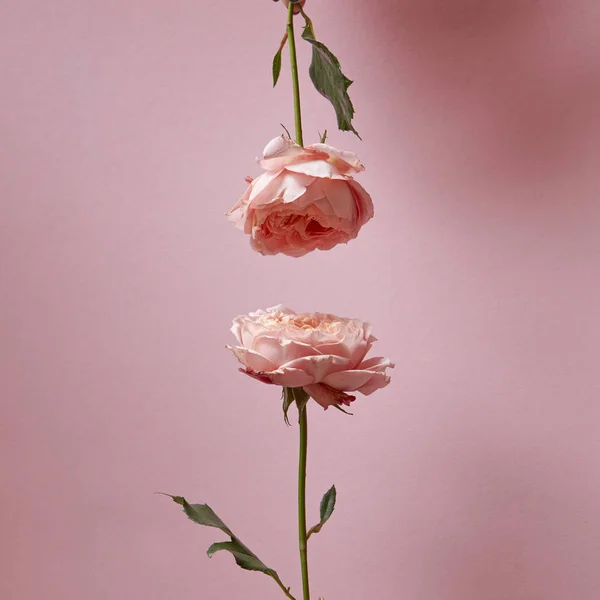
(259, 376)
(296, 349)
(290, 377)
(250, 330)
(268, 245)
(348, 381)
(377, 363)
(364, 203)
(251, 359)
(377, 381)
(270, 183)
(352, 343)
(280, 308)
(282, 152)
(236, 328)
(285, 188)
(237, 215)
(313, 194)
(318, 366)
(270, 347)
(314, 168)
(344, 161)
(327, 396)
(282, 145)
(280, 350)
(349, 347)
(342, 199)
(323, 206)
(257, 314)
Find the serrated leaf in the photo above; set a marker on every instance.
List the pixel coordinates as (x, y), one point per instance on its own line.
(326, 509)
(243, 557)
(277, 60)
(202, 514)
(328, 504)
(328, 79)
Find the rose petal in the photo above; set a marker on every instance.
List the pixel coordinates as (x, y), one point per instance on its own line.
(378, 363)
(342, 199)
(377, 381)
(281, 146)
(290, 377)
(282, 351)
(315, 168)
(286, 153)
(258, 376)
(364, 203)
(251, 359)
(318, 366)
(326, 396)
(237, 215)
(280, 309)
(348, 381)
(344, 161)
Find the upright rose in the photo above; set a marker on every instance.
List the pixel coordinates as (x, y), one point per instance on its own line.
(305, 200)
(321, 353)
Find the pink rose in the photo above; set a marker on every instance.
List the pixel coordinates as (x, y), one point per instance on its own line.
(323, 354)
(305, 200)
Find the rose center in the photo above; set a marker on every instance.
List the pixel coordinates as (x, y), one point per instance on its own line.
(315, 228)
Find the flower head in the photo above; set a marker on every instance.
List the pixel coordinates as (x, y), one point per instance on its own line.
(322, 353)
(305, 200)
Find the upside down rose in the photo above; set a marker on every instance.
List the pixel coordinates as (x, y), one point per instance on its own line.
(321, 353)
(305, 200)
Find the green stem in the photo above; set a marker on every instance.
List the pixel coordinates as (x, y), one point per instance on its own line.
(294, 64)
(302, 501)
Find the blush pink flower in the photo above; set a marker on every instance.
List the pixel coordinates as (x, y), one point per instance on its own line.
(324, 354)
(305, 200)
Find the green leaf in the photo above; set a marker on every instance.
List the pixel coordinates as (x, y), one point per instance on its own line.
(327, 77)
(205, 515)
(328, 504)
(288, 400)
(243, 557)
(201, 514)
(277, 60)
(276, 67)
(342, 410)
(291, 396)
(302, 399)
(326, 510)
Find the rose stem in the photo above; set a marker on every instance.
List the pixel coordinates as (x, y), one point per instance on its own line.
(294, 65)
(302, 500)
(303, 419)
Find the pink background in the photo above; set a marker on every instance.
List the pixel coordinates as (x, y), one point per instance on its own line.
(127, 129)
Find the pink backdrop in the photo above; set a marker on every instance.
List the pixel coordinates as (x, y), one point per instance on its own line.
(127, 129)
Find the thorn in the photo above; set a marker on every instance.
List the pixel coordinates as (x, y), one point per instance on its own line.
(286, 130)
